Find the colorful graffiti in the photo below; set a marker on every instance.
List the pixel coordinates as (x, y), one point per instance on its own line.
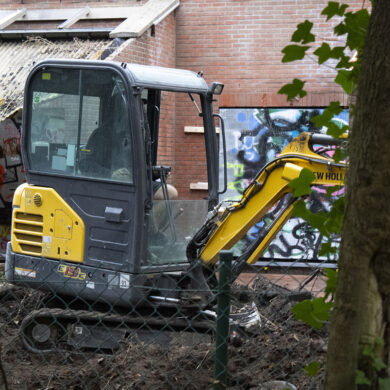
(11, 173)
(11, 168)
(253, 138)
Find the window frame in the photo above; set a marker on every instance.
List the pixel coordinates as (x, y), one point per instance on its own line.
(27, 129)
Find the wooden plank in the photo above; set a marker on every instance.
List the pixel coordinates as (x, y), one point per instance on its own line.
(202, 186)
(197, 129)
(9, 18)
(144, 17)
(43, 15)
(80, 14)
(137, 18)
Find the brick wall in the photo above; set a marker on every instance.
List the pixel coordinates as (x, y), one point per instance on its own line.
(239, 43)
(157, 46)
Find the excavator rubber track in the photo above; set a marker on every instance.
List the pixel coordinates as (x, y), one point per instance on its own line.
(53, 330)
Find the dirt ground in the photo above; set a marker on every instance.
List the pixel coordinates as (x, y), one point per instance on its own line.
(279, 349)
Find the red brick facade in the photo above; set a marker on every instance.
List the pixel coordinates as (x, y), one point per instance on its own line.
(239, 43)
(236, 42)
(157, 46)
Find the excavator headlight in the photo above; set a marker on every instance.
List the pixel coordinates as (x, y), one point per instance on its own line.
(216, 88)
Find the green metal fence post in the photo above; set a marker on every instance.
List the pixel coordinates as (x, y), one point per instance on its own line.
(223, 312)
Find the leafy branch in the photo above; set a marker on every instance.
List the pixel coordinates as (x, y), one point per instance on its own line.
(345, 59)
(373, 363)
(353, 26)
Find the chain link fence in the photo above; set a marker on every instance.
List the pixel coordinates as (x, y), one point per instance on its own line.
(164, 349)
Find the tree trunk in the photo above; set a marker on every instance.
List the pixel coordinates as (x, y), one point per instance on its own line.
(361, 311)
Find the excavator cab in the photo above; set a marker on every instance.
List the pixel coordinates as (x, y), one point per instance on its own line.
(86, 222)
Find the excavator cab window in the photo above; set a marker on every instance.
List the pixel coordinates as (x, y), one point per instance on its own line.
(79, 124)
(172, 220)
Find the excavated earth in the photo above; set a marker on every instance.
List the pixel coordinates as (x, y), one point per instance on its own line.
(279, 349)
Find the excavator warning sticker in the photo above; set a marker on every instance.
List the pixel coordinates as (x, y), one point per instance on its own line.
(25, 272)
(46, 248)
(124, 281)
(28, 198)
(71, 272)
(113, 281)
(90, 285)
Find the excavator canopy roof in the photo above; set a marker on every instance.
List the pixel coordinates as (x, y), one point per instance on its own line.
(154, 77)
(167, 78)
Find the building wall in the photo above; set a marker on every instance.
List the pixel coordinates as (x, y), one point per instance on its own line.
(239, 43)
(157, 46)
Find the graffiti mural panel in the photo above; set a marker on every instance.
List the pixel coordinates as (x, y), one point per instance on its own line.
(11, 173)
(253, 138)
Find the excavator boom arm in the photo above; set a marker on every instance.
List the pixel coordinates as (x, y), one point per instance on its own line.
(269, 186)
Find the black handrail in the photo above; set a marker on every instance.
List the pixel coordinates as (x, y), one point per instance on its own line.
(222, 127)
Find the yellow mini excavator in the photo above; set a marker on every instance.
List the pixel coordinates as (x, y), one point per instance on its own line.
(86, 227)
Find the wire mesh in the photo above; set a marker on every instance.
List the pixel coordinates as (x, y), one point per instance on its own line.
(83, 344)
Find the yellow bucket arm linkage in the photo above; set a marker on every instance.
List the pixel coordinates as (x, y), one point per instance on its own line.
(222, 231)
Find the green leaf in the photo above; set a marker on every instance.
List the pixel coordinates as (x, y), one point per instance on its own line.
(304, 311)
(327, 115)
(338, 52)
(340, 154)
(356, 25)
(331, 281)
(312, 368)
(293, 89)
(345, 63)
(378, 364)
(384, 383)
(334, 221)
(313, 312)
(321, 309)
(336, 131)
(326, 222)
(302, 33)
(323, 53)
(368, 350)
(294, 52)
(327, 249)
(302, 184)
(321, 120)
(334, 108)
(361, 379)
(344, 78)
(334, 8)
(316, 220)
(340, 29)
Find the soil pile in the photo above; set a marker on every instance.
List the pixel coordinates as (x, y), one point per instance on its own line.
(279, 349)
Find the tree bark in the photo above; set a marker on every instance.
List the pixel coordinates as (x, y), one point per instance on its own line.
(361, 312)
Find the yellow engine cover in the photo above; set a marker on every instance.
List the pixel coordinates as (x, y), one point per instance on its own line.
(43, 224)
